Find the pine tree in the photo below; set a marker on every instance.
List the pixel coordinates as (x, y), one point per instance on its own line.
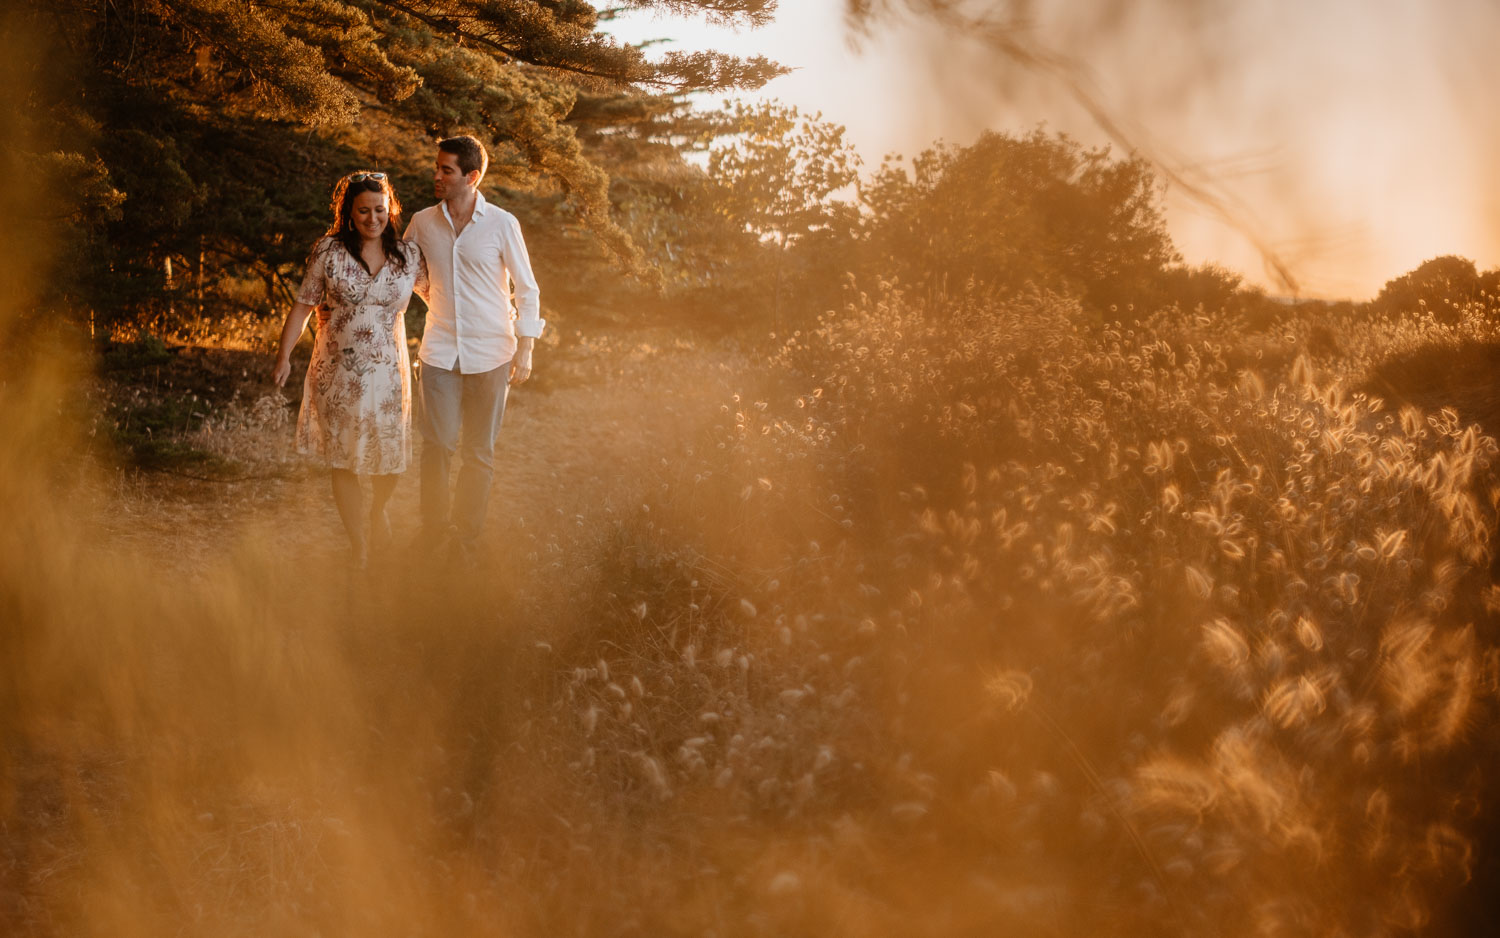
(209, 130)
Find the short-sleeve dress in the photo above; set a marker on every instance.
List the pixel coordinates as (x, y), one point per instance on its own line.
(356, 401)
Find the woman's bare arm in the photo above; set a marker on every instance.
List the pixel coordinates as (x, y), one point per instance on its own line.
(291, 331)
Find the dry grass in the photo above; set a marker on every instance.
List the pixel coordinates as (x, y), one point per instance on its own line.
(928, 622)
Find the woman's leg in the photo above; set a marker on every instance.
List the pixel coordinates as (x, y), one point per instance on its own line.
(380, 523)
(347, 496)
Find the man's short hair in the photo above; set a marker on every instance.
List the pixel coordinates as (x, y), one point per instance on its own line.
(470, 152)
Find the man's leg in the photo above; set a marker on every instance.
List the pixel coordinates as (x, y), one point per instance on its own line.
(441, 397)
(483, 409)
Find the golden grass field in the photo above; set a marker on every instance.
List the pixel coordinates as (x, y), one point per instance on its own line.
(928, 621)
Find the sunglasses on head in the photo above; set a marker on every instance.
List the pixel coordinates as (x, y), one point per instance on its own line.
(361, 177)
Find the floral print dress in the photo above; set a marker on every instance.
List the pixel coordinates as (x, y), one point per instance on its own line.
(356, 401)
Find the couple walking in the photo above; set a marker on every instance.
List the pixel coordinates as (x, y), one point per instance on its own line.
(462, 257)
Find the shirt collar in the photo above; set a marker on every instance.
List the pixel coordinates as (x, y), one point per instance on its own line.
(479, 206)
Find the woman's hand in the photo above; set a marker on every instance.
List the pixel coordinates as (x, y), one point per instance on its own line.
(291, 330)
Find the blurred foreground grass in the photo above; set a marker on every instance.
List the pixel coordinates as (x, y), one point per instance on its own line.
(946, 621)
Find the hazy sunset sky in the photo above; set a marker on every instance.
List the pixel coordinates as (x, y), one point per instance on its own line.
(1358, 137)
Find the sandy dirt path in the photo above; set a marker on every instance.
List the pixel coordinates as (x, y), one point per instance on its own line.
(603, 416)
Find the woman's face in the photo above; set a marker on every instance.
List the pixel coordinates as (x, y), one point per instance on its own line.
(370, 213)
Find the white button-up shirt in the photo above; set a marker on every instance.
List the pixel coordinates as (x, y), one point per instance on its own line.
(479, 288)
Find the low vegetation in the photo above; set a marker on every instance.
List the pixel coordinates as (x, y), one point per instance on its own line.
(949, 616)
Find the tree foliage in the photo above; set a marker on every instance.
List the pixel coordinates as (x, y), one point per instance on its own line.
(1012, 210)
(202, 135)
(782, 216)
(779, 177)
(1439, 286)
(736, 232)
(778, 174)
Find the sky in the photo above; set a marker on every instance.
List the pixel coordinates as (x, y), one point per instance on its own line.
(1354, 138)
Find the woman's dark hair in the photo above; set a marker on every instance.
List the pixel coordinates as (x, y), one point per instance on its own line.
(342, 229)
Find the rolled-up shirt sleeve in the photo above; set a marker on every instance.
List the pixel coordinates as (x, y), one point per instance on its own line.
(528, 296)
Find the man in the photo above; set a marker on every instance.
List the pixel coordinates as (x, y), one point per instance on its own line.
(477, 342)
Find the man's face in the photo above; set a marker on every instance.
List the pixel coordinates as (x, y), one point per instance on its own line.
(448, 180)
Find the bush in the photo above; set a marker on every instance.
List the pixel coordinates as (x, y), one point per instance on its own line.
(1104, 613)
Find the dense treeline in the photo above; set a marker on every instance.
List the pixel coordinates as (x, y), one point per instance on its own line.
(192, 144)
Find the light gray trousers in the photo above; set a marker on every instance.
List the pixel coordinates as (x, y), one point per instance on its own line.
(459, 413)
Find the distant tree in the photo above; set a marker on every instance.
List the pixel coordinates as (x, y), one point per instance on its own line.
(1208, 285)
(1009, 210)
(1489, 287)
(1439, 286)
(1019, 49)
(779, 171)
(777, 177)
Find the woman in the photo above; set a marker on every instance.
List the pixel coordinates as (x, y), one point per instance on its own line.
(356, 400)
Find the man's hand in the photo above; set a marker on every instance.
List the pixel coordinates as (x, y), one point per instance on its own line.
(520, 365)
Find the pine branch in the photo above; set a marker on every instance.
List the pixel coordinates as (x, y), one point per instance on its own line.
(522, 31)
(753, 13)
(285, 66)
